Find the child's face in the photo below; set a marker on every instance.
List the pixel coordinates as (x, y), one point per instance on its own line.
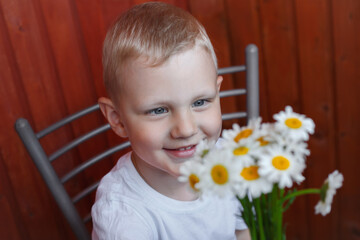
(167, 110)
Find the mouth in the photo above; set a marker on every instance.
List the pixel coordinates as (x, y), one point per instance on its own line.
(185, 148)
(182, 152)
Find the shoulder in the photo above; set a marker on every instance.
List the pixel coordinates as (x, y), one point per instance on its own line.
(118, 212)
(119, 220)
(115, 182)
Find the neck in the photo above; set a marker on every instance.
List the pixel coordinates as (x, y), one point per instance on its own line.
(166, 184)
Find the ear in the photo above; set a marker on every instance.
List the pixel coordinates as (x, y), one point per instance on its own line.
(109, 111)
(218, 82)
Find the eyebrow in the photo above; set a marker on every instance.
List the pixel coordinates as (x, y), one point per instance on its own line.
(158, 101)
(208, 94)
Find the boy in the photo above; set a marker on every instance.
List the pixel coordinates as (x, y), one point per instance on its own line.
(160, 72)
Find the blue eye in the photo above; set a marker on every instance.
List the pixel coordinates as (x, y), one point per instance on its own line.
(199, 103)
(157, 111)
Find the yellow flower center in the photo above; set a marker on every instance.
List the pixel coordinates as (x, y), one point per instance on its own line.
(293, 123)
(281, 163)
(262, 141)
(193, 179)
(250, 173)
(241, 151)
(219, 174)
(243, 134)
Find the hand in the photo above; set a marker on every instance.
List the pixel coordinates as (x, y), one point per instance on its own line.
(243, 234)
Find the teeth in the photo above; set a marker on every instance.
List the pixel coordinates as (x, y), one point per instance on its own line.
(187, 148)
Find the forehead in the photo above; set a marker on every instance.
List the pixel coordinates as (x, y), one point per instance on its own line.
(193, 67)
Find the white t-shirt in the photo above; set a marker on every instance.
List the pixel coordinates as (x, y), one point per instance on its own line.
(126, 207)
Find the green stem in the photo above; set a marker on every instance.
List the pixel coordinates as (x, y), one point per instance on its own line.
(279, 219)
(279, 211)
(301, 192)
(248, 216)
(253, 223)
(259, 218)
(274, 206)
(244, 213)
(266, 216)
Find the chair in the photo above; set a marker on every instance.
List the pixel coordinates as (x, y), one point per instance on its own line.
(44, 162)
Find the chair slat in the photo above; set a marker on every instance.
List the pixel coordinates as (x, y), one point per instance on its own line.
(233, 69)
(232, 92)
(93, 160)
(66, 120)
(78, 141)
(87, 218)
(229, 116)
(85, 192)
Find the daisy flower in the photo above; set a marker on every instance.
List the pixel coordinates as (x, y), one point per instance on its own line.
(252, 183)
(323, 207)
(335, 180)
(299, 149)
(203, 148)
(296, 147)
(328, 191)
(191, 172)
(219, 173)
(265, 133)
(293, 124)
(280, 166)
(238, 133)
(244, 152)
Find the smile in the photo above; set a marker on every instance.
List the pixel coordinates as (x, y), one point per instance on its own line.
(185, 148)
(182, 152)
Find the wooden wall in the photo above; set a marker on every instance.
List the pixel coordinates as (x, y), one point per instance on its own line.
(50, 66)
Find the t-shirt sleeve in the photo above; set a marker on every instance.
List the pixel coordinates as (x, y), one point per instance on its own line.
(114, 220)
(240, 224)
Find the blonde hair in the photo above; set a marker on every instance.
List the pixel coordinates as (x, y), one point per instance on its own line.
(154, 31)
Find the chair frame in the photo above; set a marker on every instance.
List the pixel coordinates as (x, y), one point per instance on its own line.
(42, 161)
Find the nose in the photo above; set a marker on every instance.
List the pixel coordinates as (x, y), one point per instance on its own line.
(184, 125)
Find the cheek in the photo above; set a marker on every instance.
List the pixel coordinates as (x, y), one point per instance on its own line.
(143, 136)
(212, 124)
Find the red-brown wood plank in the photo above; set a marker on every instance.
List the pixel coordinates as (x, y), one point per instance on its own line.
(281, 70)
(317, 101)
(278, 37)
(112, 9)
(245, 28)
(24, 92)
(11, 225)
(346, 22)
(93, 32)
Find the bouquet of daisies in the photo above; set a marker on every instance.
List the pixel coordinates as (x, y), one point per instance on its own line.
(259, 164)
